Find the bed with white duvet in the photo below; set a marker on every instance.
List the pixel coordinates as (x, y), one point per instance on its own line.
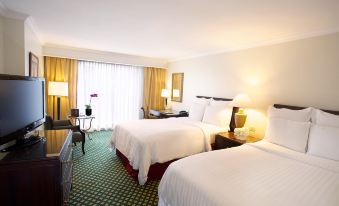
(145, 142)
(149, 141)
(297, 163)
(255, 174)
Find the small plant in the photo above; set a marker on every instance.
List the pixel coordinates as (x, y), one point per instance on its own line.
(88, 106)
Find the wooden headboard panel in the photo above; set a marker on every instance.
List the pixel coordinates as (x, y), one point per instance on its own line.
(215, 98)
(280, 106)
(235, 110)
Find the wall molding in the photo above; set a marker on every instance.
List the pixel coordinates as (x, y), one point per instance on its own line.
(4, 11)
(101, 56)
(31, 23)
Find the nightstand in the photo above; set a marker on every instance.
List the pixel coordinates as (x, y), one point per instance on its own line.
(227, 140)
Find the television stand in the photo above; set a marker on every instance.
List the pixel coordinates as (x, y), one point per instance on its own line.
(22, 143)
(38, 175)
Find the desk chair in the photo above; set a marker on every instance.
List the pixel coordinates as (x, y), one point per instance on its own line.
(147, 115)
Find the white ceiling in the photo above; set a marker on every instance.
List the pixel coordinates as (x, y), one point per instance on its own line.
(176, 28)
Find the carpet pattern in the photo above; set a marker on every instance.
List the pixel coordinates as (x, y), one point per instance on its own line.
(99, 178)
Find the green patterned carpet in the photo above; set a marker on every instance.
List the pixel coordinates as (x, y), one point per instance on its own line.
(99, 177)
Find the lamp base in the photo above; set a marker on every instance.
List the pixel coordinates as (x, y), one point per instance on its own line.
(240, 118)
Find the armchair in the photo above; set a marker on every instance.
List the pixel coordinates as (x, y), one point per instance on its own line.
(77, 136)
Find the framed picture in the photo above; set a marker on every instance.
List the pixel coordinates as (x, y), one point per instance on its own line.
(33, 65)
(177, 87)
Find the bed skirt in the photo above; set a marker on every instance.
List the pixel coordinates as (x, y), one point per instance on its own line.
(155, 172)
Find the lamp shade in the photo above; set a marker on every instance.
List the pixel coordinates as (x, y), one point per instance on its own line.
(176, 93)
(241, 101)
(58, 88)
(165, 93)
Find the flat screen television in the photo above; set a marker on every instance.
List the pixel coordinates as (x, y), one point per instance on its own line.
(22, 106)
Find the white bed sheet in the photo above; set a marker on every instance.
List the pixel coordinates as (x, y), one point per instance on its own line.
(254, 174)
(145, 142)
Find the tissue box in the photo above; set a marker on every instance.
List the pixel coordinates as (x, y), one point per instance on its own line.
(241, 133)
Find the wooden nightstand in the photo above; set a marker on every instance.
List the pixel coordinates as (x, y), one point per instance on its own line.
(227, 139)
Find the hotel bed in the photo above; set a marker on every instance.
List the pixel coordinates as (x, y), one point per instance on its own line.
(269, 172)
(150, 142)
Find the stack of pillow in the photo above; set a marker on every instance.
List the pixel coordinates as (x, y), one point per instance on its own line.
(309, 130)
(211, 111)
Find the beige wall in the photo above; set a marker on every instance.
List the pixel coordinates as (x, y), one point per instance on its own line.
(32, 44)
(303, 72)
(14, 46)
(17, 39)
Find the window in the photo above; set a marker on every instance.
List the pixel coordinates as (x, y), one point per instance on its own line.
(119, 88)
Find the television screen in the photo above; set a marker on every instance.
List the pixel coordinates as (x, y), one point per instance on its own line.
(21, 105)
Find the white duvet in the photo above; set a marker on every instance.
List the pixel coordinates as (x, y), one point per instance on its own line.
(145, 142)
(254, 174)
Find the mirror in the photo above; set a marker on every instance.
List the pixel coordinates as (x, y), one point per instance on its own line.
(177, 86)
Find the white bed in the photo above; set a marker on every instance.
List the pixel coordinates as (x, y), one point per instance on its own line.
(254, 174)
(145, 142)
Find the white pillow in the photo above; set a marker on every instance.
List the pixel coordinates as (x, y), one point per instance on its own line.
(303, 115)
(325, 118)
(218, 115)
(202, 101)
(290, 134)
(219, 102)
(196, 111)
(324, 142)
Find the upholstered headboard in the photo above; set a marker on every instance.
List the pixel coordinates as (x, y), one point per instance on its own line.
(235, 109)
(280, 106)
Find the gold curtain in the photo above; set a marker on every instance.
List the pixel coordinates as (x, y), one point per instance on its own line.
(154, 82)
(61, 70)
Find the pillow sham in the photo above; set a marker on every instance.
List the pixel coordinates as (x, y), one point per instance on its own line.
(196, 111)
(202, 101)
(218, 115)
(324, 142)
(303, 115)
(324, 118)
(219, 102)
(287, 133)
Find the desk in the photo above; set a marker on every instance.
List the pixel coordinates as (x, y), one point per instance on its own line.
(161, 114)
(82, 118)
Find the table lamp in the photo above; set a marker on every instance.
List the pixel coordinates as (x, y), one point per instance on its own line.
(59, 89)
(165, 93)
(242, 101)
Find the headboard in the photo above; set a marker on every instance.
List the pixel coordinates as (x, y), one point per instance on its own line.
(281, 106)
(235, 110)
(215, 98)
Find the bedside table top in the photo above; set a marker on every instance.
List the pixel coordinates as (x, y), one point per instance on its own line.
(231, 136)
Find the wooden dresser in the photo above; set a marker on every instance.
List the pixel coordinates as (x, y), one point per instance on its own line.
(40, 174)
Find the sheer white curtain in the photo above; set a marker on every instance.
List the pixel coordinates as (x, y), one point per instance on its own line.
(119, 89)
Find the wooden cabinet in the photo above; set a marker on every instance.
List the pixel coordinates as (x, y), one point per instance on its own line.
(40, 174)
